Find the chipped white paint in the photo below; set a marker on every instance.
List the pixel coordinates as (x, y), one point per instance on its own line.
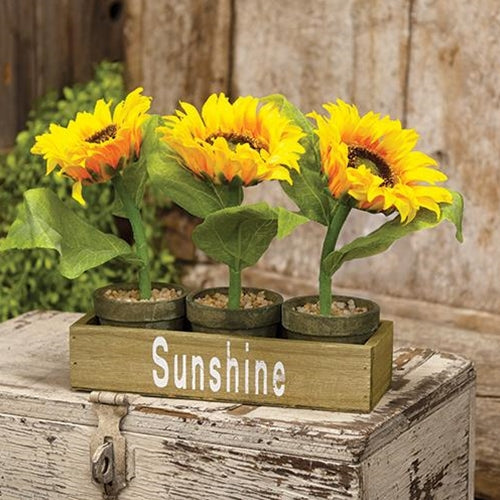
(181, 449)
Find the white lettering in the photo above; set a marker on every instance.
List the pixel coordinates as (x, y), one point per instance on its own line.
(180, 381)
(247, 363)
(197, 361)
(255, 379)
(261, 366)
(279, 378)
(161, 362)
(231, 363)
(215, 380)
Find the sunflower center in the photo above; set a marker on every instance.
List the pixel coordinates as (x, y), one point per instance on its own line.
(234, 139)
(105, 134)
(360, 156)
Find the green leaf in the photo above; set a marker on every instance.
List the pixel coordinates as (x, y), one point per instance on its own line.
(309, 189)
(44, 221)
(382, 238)
(239, 236)
(135, 175)
(288, 221)
(198, 197)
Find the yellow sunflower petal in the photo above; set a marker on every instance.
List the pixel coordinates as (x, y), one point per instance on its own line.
(101, 115)
(424, 174)
(372, 158)
(91, 147)
(243, 139)
(77, 193)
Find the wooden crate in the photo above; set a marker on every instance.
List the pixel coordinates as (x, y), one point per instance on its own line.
(253, 370)
(418, 442)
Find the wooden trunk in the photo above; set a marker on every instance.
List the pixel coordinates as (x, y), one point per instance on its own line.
(416, 444)
(252, 370)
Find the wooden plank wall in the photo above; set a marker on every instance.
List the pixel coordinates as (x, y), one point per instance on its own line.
(420, 61)
(178, 50)
(47, 44)
(429, 63)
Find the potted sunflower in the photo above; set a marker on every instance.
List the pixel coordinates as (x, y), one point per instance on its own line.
(98, 147)
(367, 163)
(204, 161)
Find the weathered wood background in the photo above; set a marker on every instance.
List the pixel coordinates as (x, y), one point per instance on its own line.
(420, 61)
(47, 44)
(431, 63)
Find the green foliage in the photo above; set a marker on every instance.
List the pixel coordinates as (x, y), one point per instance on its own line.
(309, 189)
(381, 239)
(30, 279)
(197, 196)
(44, 221)
(239, 236)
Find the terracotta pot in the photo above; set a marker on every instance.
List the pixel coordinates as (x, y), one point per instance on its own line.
(161, 314)
(259, 322)
(355, 329)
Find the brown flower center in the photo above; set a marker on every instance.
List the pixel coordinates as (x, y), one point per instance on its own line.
(234, 139)
(103, 135)
(360, 156)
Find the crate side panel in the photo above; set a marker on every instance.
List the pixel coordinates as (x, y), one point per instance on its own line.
(429, 460)
(181, 469)
(45, 460)
(49, 460)
(382, 364)
(269, 371)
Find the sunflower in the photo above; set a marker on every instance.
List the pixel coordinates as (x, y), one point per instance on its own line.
(94, 146)
(234, 141)
(372, 159)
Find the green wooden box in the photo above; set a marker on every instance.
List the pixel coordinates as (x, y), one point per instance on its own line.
(251, 370)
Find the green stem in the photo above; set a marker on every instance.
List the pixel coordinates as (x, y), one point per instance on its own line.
(141, 247)
(234, 293)
(339, 216)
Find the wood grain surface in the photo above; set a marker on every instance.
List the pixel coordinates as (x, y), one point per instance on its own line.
(248, 370)
(47, 45)
(186, 449)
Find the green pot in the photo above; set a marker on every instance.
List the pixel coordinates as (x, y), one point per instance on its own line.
(161, 315)
(258, 322)
(356, 329)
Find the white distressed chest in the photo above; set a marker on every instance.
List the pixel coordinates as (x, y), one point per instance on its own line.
(417, 444)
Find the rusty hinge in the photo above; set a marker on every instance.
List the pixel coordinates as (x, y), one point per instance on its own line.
(108, 447)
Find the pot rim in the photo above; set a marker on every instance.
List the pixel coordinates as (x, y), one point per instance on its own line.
(269, 294)
(292, 303)
(100, 292)
(216, 317)
(317, 325)
(142, 310)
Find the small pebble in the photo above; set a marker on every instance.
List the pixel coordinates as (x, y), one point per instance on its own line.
(338, 308)
(157, 295)
(249, 300)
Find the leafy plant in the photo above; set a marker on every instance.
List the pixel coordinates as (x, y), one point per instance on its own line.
(205, 160)
(27, 279)
(386, 176)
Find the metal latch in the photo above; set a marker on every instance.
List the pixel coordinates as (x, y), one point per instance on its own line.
(108, 447)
